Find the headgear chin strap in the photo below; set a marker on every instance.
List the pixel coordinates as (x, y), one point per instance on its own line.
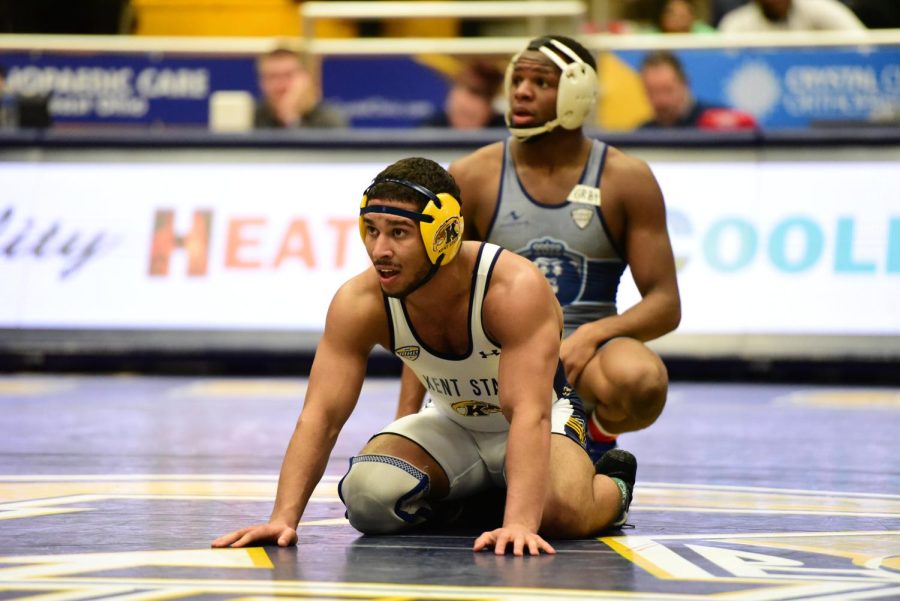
(440, 223)
(575, 96)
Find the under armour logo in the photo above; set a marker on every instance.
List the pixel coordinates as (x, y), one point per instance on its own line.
(494, 352)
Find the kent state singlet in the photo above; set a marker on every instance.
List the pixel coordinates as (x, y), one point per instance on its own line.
(568, 242)
(465, 388)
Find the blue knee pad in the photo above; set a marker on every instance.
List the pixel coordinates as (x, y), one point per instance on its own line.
(384, 494)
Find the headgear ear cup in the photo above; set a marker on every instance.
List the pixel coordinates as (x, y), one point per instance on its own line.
(440, 222)
(362, 222)
(443, 236)
(577, 95)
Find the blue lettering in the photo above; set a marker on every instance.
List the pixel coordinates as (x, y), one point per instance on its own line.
(747, 243)
(813, 243)
(893, 251)
(843, 260)
(797, 244)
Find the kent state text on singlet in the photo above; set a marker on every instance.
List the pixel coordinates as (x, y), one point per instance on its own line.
(568, 242)
(464, 388)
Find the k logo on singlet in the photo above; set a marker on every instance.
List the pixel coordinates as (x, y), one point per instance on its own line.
(474, 408)
(563, 268)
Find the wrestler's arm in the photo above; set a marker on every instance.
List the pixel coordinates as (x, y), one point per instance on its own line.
(649, 253)
(522, 314)
(339, 367)
(650, 259)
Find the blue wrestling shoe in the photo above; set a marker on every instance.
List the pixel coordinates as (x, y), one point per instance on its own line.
(596, 449)
(598, 440)
(621, 466)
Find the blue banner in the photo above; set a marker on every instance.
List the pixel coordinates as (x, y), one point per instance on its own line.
(128, 88)
(781, 87)
(794, 87)
(383, 92)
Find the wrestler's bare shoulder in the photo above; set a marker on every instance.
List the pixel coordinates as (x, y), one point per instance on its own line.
(517, 275)
(481, 163)
(518, 288)
(628, 179)
(622, 164)
(359, 298)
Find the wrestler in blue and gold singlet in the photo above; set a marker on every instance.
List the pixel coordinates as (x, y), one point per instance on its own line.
(568, 242)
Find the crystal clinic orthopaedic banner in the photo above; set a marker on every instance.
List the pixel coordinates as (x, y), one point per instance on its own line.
(762, 247)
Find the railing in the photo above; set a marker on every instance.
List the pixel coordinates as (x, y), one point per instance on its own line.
(535, 12)
(399, 46)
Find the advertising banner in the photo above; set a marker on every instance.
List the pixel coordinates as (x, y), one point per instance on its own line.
(786, 87)
(781, 87)
(784, 247)
(762, 247)
(195, 246)
(127, 88)
(383, 92)
(156, 89)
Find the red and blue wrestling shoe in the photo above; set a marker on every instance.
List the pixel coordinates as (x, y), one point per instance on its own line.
(598, 441)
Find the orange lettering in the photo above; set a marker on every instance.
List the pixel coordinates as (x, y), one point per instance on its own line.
(343, 226)
(238, 239)
(298, 244)
(165, 240)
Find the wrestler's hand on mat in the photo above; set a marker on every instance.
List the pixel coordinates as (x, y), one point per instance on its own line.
(518, 537)
(278, 533)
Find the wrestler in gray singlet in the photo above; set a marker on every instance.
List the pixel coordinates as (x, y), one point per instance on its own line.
(568, 242)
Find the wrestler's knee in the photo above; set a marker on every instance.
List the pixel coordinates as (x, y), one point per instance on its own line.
(384, 494)
(562, 517)
(641, 382)
(649, 394)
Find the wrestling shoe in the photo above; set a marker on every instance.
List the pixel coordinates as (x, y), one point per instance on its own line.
(598, 440)
(621, 466)
(596, 448)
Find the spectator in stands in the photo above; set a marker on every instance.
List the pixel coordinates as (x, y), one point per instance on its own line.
(790, 15)
(674, 105)
(21, 111)
(470, 101)
(290, 96)
(679, 16)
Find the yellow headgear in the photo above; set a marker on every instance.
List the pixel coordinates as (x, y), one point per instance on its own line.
(440, 222)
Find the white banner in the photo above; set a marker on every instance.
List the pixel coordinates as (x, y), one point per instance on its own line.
(222, 246)
(763, 248)
(786, 247)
